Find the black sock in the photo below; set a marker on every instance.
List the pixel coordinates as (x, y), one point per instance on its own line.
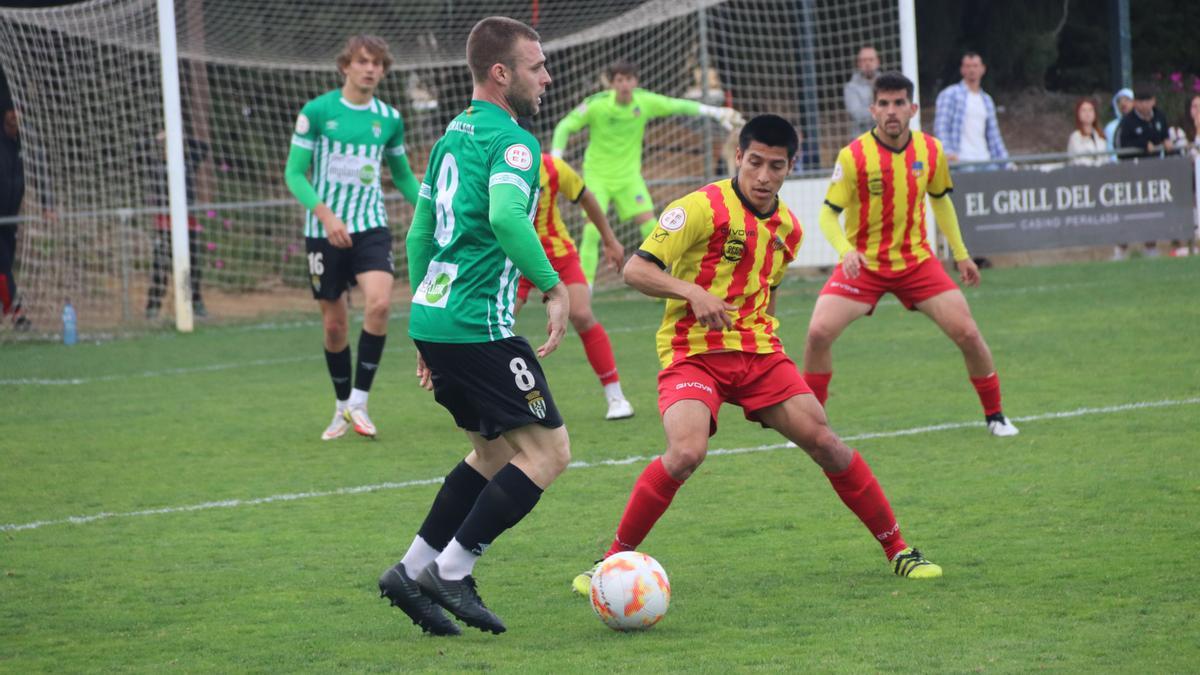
(370, 350)
(339, 372)
(503, 503)
(452, 504)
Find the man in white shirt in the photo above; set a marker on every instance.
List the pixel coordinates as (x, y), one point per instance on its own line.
(965, 120)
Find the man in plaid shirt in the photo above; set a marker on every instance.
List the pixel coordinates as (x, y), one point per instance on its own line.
(965, 121)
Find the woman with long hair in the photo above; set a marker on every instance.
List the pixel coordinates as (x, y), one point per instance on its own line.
(1088, 138)
(1183, 136)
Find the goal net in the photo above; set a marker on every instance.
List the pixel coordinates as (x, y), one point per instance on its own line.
(85, 81)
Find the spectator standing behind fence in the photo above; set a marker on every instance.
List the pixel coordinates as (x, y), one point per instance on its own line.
(1122, 103)
(1145, 129)
(1187, 142)
(195, 153)
(1088, 139)
(857, 92)
(1183, 137)
(965, 119)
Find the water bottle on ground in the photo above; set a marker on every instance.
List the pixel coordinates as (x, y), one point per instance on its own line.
(70, 334)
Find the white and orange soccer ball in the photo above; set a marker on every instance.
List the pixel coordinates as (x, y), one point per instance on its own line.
(630, 591)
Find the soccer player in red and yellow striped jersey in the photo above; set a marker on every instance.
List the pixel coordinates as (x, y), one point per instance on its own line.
(726, 246)
(879, 184)
(558, 178)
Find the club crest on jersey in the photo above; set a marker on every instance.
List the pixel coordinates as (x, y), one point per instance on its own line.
(672, 220)
(875, 184)
(734, 250)
(537, 404)
(518, 157)
(377, 128)
(918, 168)
(777, 243)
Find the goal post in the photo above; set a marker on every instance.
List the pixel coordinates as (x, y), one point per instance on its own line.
(88, 81)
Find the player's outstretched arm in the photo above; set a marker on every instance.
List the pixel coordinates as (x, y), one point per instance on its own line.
(572, 123)
(614, 252)
(646, 276)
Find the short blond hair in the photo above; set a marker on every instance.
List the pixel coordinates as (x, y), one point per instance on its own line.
(373, 44)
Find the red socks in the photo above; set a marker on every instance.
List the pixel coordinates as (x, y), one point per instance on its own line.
(861, 492)
(652, 494)
(988, 389)
(600, 354)
(819, 383)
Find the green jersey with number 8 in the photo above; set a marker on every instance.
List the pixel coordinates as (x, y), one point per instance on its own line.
(481, 189)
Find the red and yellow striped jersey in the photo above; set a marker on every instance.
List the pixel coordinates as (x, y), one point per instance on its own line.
(882, 191)
(557, 178)
(713, 239)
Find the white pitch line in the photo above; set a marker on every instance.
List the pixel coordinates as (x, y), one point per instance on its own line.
(231, 503)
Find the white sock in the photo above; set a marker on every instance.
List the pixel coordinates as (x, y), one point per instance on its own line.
(418, 557)
(613, 391)
(342, 405)
(455, 562)
(358, 398)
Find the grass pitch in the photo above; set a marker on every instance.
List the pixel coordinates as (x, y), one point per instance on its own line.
(214, 532)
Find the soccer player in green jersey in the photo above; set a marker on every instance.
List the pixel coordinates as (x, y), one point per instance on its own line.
(345, 136)
(471, 239)
(612, 163)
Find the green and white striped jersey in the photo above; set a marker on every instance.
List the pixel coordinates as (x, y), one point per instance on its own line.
(349, 144)
(468, 290)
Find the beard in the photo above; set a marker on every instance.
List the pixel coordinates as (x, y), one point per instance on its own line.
(523, 103)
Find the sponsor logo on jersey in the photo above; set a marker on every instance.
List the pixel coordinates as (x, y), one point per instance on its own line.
(461, 127)
(302, 124)
(434, 290)
(918, 168)
(734, 250)
(660, 235)
(367, 174)
(537, 404)
(672, 220)
(837, 173)
(875, 184)
(845, 287)
(518, 157)
(377, 128)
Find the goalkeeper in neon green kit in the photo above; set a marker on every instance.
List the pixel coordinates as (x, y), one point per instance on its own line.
(612, 164)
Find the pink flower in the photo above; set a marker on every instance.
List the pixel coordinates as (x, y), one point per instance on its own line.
(227, 223)
(219, 264)
(212, 246)
(1177, 77)
(211, 214)
(1195, 83)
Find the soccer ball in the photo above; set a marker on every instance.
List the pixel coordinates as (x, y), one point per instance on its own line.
(630, 591)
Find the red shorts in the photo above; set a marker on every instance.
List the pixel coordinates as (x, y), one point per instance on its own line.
(910, 286)
(569, 271)
(752, 381)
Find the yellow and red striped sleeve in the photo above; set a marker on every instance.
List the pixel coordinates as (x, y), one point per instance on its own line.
(547, 220)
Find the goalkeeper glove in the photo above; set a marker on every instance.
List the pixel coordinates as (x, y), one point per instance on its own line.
(728, 117)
